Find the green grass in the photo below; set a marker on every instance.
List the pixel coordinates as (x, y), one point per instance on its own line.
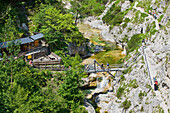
(160, 18)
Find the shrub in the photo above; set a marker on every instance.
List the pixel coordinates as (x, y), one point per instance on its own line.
(126, 104)
(120, 91)
(141, 108)
(135, 41)
(160, 18)
(133, 84)
(141, 95)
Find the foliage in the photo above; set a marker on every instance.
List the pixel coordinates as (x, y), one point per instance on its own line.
(24, 89)
(139, 17)
(160, 18)
(58, 28)
(126, 104)
(88, 7)
(141, 95)
(126, 20)
(133, 84)
(120, 91)
(69, 89)
(144, 4)
(135, 41)
(114, 16)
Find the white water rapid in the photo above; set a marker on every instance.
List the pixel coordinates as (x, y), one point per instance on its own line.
(103, 83)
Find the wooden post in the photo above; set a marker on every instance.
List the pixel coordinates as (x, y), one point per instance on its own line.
(94, 67)
(59, 67)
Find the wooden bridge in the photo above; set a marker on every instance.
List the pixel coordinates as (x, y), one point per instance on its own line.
(95, 67)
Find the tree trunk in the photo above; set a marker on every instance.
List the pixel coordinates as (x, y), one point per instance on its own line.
(11, 77)
(76, 18)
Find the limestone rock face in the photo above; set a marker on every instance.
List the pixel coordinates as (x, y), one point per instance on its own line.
(73, 49)
(160, 10)
(153, 61)
(125, 5)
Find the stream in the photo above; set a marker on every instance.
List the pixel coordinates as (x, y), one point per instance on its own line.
(111, 53)
(107, 52)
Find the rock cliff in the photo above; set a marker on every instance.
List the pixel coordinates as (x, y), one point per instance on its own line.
(145, 62)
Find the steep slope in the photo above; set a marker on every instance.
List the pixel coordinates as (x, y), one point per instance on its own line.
(135, 93)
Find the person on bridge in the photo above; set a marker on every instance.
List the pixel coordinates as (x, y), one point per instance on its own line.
(94, 60)
(154, 15)
(108, 67)
(102, 66)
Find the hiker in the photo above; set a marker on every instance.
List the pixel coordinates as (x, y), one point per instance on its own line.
(156, 85)
(146, 40)
(143, 40)
(102, 66)
(87, 66)
(108, 66)
(154, 79)
(143, 43)
(154, 15)
(30, 62)
(94, 60)
(159, 25)
(25, 60)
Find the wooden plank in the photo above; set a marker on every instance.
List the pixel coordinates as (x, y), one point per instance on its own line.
(56, 68)
(56, 56)
(49, 63)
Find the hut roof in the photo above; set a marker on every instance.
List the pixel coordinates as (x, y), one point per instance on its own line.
(36, 37)
(22, 40)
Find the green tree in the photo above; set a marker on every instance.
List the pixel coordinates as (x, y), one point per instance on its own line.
(58, 28)
(126, 105)
(69, 89)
